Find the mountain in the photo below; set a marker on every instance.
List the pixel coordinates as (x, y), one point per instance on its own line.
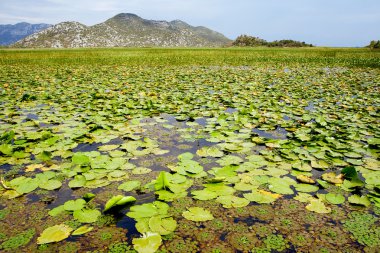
(124, 30)
(11, 33)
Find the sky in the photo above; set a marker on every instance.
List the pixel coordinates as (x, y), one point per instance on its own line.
(336, 23)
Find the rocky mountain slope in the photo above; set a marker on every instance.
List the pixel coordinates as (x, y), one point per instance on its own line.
(11, 33)
(124, 30)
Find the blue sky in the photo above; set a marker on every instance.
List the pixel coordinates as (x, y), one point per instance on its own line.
(320, 22)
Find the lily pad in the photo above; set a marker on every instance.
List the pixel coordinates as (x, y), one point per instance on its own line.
(82, 230)
(118, 200)
(230, 201)
(336, 199)
(316, 205)
(129, 186)
(204, 194)
(73, 205)
(80, 159)
(262, 197)
(162, 225)
(197, 214)
(54, 234)
(149, 243)
(87, 215)
(50, 185)
(359, 200)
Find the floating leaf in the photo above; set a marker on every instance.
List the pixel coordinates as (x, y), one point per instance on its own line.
(149, 243)
(279, 185)
(332, 178)
(129, 186)
(162, 225)
(210, 151)
(6, 149)
(305, 179)
(230, 201)
(230, 160)
(118, 200)
(359, 200)
(56, 211)
(204, 194)
(54, 234)
(78, 181)
(50, 185)
(44, 156)
(27, 186)
(316, 205)
(148, 210)
(336, 199)
(306, 188)
(141, 171)
(197, 214)
(86, 215)
(262, 197)
(73, 205)
(82, 230)
(80, 159)
(303, 197)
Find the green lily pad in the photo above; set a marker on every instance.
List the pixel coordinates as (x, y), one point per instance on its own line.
(149, 243)
(78, 181)
(6, 149)
(73, 205)
(335, 199)
(87, 215)
(54, 234)
(56, 211)
(80, 159)
(230, 201)
(230, 160)
(359, 200)
(50, 185)
(197, 214)
(262, 197)
(316, 205)
(210, 151)
(204, 194)
(141, 171)
(306, 188)
(148, 210)
(129, 186)
(279, 185)
(118, 200)
(82, 230)
(27, 186)
(162, 225)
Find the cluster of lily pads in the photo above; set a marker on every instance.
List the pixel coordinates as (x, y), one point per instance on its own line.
(251, 135)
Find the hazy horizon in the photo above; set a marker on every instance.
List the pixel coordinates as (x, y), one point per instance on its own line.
(348, 23)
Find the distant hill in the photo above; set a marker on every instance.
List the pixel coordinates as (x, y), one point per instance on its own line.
(250, 41)
(124, 30)
(11, 33)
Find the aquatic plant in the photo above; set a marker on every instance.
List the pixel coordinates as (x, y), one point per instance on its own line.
(18, 241)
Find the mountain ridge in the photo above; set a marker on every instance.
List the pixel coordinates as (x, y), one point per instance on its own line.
(124, 30)
(11, 33)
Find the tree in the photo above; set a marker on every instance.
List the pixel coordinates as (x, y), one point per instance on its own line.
(375, 44)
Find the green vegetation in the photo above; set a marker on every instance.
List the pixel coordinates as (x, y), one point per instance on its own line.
(249, 41)
(18, 240)
(190, 57)
(364, 228)
(374, 44)
(242, 149)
